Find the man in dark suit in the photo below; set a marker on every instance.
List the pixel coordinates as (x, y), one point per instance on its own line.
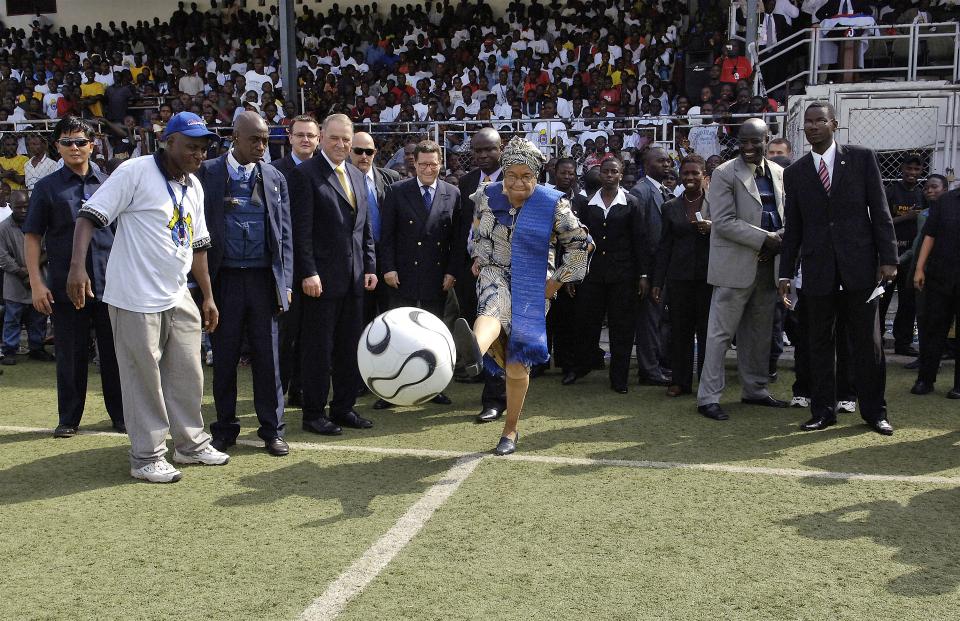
(611, 285)
(334, 263)
(304, 136)
(421, 219)
(839, 226)
(247, 209)
(378, 182)
(651, 194)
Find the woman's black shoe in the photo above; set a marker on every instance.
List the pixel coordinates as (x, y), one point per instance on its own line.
(506, 445)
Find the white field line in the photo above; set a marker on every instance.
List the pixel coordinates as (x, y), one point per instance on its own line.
(796, 473)
(365, 569)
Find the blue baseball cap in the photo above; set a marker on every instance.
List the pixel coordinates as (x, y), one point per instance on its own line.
(188, 124)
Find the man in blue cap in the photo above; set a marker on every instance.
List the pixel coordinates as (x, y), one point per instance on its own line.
(157, 204)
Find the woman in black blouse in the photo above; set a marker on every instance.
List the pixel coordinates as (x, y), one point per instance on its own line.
(938, 277)
(681, 265)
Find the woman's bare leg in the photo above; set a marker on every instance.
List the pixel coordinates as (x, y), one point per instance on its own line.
(486, 330)
(518, 380)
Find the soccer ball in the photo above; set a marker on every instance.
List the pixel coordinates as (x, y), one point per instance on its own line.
(406, 356)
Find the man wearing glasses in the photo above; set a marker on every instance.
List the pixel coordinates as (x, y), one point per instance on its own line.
(54, 203)
(421, 219)
(304, 140)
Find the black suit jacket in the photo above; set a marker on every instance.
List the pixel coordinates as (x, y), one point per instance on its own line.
(683, 253)
(383, 178)
(416, 244)
(214, 177)
(330, 240)
(621, 243)
(285, 165)
(468, 185)
(846, 233)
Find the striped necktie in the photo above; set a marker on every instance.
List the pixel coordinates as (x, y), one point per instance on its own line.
(824, 176)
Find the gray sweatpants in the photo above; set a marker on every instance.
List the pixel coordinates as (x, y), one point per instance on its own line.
(747, 314)
(161, 379)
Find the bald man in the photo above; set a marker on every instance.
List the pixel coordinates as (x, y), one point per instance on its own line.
(363, 154)
(251, 267)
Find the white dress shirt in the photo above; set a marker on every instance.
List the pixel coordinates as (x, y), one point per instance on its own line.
(621, 199)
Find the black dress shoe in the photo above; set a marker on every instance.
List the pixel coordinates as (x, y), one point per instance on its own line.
(713, 410)
(655, 381)
(65, 431)
(954, 393)
(294, 399)
(819, 422)
(913, 365)
(41, 354)
(467, 349)
(221, 444)
(767, 402)
(506, 446)
(921, 388)
(619, 389)
(488, 415)
(882, 426)
(353, 420)
(570, 377)
(381, 404)
(323, 426)
(277, 447)
(441, 399)
(906, 351)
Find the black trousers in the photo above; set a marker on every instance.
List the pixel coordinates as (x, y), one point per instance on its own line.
(329, 333)
(247, 300)
(618, 302)
(795, 326)
(867, 360)
(466, 289)
(433, 306)
(562, 331)
(72, 330)
(906, 309)
(689, 311)
(289, 330)
(941, 308)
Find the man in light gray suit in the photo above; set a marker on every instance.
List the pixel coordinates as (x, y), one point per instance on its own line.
(746, 206)
(652, 194)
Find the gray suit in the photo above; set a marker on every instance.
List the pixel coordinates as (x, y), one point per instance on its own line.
(649, 339)
(745, 289)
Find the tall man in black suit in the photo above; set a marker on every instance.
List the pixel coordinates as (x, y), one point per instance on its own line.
(611, 286)
(421, 219)
(378, 181)
(247, 209)
(304, 139)
(334, 263)
(486, 147)
(838, 225)
(652, 194)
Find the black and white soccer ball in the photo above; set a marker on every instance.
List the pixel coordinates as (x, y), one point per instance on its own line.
(406, 356)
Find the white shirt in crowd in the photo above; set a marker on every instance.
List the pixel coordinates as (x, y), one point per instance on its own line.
(147, 270)
(621, 199)
(32, 173)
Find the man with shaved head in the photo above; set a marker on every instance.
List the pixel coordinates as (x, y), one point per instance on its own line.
(251, 267)
(363, 155)
(746, 206)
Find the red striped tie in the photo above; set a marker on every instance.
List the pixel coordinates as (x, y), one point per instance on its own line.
(824, 176)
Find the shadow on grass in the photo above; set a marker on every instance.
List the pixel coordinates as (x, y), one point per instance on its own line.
(923, 533)
(355, 485)
(63, 475)
(929, 455)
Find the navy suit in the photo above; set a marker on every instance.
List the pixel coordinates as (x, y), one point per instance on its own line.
(418, 244)
(378, 301)
(249, 300)
(334, 241)
(650, 338)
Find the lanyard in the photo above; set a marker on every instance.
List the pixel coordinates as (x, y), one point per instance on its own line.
(180, 226)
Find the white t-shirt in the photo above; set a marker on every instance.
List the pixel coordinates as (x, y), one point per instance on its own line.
(148, 265)
(255, 81)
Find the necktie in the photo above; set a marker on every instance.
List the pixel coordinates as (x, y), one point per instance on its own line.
(824, 176)
(665, 193)
(342, 176)
(373, 208)
(427, 198)
(243, 174)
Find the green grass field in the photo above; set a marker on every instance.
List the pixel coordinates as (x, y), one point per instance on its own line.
(584, 522)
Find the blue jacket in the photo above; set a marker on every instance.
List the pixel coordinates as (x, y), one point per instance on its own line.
(214, 177)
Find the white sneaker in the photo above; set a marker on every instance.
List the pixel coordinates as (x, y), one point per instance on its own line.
(208, 359)
(209, 456)
(800, 402)
(159, 471)
(850, 407)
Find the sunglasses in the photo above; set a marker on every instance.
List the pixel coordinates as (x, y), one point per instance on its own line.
(73, 142)
(367, 152)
